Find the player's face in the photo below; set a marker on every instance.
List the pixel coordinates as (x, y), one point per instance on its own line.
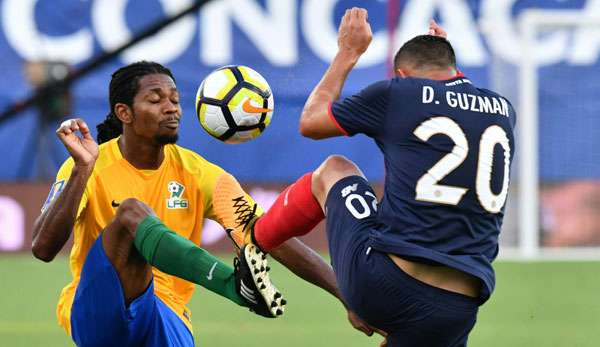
(156, 109)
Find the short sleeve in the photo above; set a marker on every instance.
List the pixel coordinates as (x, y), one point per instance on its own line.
(207, 183)
(62, 177)
(223, 195)
(230, 204)
(363, 112)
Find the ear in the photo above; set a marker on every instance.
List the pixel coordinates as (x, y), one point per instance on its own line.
(124, 113)
(401, 73)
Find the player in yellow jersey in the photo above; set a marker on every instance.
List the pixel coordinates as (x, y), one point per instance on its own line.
(135, 204)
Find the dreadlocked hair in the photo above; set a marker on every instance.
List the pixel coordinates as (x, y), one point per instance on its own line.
(123, 87)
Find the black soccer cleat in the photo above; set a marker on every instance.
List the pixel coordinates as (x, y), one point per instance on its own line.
(252, 282)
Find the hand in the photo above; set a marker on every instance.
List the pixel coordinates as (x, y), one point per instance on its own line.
(84, 149)
(354, 34)
(436, 30)
(361, 325)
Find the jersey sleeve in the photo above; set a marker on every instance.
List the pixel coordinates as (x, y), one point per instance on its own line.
(207, 183)
(363, 112)
(62, 177)
(227, 203)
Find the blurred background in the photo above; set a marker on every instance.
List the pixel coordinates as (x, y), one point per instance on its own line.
(57, 57)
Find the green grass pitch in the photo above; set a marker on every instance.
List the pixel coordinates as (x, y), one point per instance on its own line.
(535, 304)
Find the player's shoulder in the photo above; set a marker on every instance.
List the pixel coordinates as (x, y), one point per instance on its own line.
(105, 157)
(376, 89)
(66, 167)
(494, 94)
(489, 92)
(409, 85)
(191, 161)
(108, 154)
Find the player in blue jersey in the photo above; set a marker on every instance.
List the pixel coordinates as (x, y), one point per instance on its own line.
(418, 265)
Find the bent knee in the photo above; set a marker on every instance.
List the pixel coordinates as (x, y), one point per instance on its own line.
(339, 163)
(131, 212)
(127, 204)
(333, 169)
(336, 167)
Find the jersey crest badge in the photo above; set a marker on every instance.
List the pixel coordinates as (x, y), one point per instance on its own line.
(175, 201)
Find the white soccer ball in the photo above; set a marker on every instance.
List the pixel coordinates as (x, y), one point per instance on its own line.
(234, 104)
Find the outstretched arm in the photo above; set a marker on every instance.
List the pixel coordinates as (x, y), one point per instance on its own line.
(306, 264)
(53, 227)
(354, 37)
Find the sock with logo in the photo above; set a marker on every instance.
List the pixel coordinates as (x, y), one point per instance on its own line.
(178, 256)
(294, 213)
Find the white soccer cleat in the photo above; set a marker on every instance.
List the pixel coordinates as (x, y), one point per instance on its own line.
(254, 285)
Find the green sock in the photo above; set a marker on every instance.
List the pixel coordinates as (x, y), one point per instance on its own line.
(178, 256)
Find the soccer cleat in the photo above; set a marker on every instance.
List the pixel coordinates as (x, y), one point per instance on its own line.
(254, 284)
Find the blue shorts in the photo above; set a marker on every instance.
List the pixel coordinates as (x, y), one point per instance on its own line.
(99, 316)
(413, 313)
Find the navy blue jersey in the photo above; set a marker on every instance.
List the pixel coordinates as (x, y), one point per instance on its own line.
(447, 148)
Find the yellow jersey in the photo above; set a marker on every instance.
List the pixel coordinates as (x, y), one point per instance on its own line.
(183, 191)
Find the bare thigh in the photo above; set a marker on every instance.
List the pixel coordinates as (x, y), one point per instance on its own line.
(333, 169)
(118, 238)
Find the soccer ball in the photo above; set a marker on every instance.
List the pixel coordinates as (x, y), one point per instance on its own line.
(234, 104)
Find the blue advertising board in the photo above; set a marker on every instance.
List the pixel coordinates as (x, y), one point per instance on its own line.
(290, 42)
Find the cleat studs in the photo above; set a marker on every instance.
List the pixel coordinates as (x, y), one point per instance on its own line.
(262, 268)
(283, 302)
(277, 295)
(253, 262)
(259, 280)
(268, 268)
(262, 286)
(264, 256)
(273, 304)
(256, 271)
(279, 312)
